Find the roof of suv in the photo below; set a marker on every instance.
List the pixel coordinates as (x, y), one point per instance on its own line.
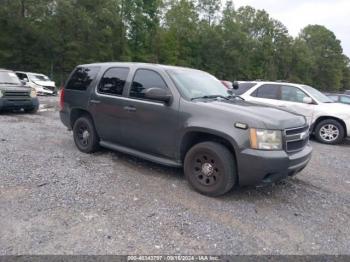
(148, 65)
(5, 70)
(270, 82)
(23, 72)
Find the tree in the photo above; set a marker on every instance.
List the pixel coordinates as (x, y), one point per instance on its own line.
(326, 50)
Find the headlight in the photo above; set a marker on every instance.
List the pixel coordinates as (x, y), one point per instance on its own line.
(263, 139)
(33, 93)
(1, 95)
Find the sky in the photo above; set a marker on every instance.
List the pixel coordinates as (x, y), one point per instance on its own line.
(296, 14)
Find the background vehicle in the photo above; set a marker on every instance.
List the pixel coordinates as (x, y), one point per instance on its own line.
(14, 96)
(329, 121)
(42, 84)
(183, 117)
(340, 98)
(347, 92)
(227, 84)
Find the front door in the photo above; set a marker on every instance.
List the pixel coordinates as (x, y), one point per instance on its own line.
(293, 98)
(151, 126)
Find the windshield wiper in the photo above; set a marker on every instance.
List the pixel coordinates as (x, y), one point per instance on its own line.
(236, 96)
(211, 97)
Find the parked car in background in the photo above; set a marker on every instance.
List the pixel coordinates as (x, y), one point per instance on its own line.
(329, 121)
(227, 84)
(183, 117)
(347, 92)
(15, 96)
(42, 84)
(340, 98)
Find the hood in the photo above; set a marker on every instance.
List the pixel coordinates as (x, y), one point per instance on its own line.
(44, 83)
(256, 115)
(335, 108)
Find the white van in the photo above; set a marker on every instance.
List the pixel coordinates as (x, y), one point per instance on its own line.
(41, 83)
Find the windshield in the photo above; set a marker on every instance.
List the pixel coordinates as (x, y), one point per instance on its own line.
(318, 95)
(195, 84)
(9, 78)
(38, 78)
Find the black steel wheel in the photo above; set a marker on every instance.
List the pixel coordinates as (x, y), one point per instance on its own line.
(85, 135)
(210, 168)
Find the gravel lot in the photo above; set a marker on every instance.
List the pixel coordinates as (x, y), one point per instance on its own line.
(56, 200)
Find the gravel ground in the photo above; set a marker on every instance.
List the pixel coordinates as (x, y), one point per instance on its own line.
(56, 200)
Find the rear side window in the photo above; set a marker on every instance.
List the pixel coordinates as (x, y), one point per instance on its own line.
(242, 88)
(143, 80)
(82, 78)
(113, 81)
(268, 92)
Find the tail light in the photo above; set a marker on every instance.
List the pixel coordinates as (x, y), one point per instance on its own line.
(62, 98)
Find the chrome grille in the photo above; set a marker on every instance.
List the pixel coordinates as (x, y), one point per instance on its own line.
(296, 138)
(16, 94)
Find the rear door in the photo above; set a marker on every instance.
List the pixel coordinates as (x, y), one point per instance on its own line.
(107, 104)
(151, 125)
(267, 94)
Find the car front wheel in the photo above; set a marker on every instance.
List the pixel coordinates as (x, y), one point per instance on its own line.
(85, 135)
(210, 169)
(330, 132)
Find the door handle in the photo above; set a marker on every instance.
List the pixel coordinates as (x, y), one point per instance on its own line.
(130, 108)
(95, 101)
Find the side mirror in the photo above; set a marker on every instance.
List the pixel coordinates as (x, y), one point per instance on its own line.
(24, 82)
(235, 85)
(307, 100)
(158, 94)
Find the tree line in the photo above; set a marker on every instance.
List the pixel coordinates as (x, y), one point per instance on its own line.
(53, 36)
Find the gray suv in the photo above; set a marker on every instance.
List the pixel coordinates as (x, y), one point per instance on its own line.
(14, 95)
(186, 118)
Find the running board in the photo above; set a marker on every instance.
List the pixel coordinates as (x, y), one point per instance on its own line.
(156, 159)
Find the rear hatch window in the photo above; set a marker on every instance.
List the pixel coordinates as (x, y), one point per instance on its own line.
(82, 78)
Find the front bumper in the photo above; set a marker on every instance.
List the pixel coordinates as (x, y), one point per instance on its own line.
(256, 167)
(347, 124)
(16, 104)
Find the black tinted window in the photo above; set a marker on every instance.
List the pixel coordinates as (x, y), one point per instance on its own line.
(267, 91)
(242, 88)
(21, 76)
(82, 78)
(113, 81)
(143, 80)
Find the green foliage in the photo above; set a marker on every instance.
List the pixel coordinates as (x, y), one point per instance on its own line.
(53, 36)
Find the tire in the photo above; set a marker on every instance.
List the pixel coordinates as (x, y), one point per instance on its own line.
(33, 110)
(210, 169)
(329, 132)
(85, 135)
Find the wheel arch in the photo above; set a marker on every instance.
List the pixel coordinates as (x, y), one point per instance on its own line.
(194, 136)
(322, 118)
(76, 113)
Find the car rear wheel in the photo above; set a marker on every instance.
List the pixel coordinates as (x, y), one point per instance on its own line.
(330, 132)
(85, 135)
(210, 169)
